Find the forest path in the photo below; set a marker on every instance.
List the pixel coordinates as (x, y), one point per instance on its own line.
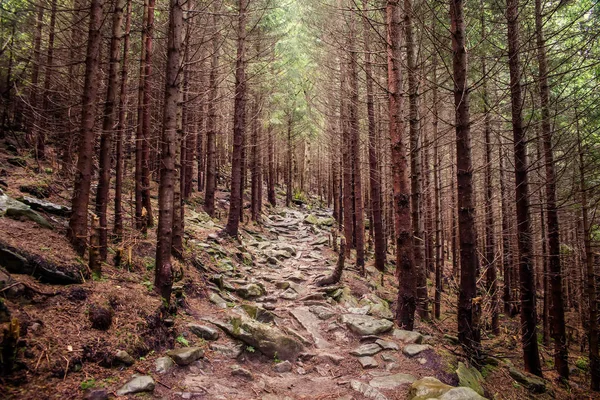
(292, 339)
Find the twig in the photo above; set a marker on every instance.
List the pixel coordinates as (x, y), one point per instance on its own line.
(66, 369)
(38, 360)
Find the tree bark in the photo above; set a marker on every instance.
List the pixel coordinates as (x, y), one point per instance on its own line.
(405, 267)
(468, 306)
(526, 272)
(108, 122)
(163, 279)
(239, 124)
(78, 223)
(561, 351)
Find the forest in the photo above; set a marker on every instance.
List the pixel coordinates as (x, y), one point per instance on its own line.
(285, 199)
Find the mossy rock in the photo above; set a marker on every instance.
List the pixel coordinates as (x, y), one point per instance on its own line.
(470, 377)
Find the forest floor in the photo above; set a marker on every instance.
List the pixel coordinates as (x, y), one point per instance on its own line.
(250, 322)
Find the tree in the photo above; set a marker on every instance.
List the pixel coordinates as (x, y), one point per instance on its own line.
(239, 124)
(405, 267)
(163, 279)
(526, 275)
(468, 307)
(78, 222)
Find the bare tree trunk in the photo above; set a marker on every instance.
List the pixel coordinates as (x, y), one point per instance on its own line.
(593, 333)
(359, 217)
(526, 274)
(561, 351)
(78, 222)
(108, 122)
(374, 179)
(140, 222)
(239, 124)
(468, 307)
(211, 122)
(41, 137)
(405, 266)
(271, 159)
(439, 258)
(507, 262)
(288, 165)
(35, 73)
(118, 228)
(163, 279)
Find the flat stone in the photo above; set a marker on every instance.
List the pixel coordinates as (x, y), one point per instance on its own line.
(386, 345)
(366, 390)
(50, 208)
(368, 362)
(359, 310)
(218, 300)
(282, 367)
(412, 350)
(186, 355)
(282, 285)
(321, 312)
(427, 388)
(236, 370)
(408, 337)
(365, 324)
(139, 383)
(124, 358)
(289, 294)
(311, 323)
(391, 381)
(227, 351)
(203, 331)
(389, 357)
(162, 365)
(461, 393)
(368, 349)
(249, 291)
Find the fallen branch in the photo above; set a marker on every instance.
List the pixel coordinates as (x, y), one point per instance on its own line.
(339, 268)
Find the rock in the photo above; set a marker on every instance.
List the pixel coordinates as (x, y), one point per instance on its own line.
(249, 291)
(163, 364)
(218, 300)
(186, 355)
(227, 351)
(451, 339)
(311, 323)
(258, 313)
(124, 358)
(368, 362)
(236, 370)
(311, 219)
(412, 350)
(96, 394)
(408, 337)
(391, 381)
(139, 383)
(470, 377)
(269, 340)
(368, 349)
(46, 206)
(13, 262)
(366, 390)
(427, 388)
(280, 254)
(389, 357)
(16, 210)
(203, 331)
(461, 393)
(282, 285)
(321, 312)
(284, 366)
(359, 310)
(533, 383)
(319, 242)
(289, 294)
(385, 345)
(330, 358)
(365, 324)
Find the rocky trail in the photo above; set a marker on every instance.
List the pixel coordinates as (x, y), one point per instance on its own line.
(272, 334)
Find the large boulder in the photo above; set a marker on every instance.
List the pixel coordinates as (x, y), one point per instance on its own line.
(365, 324)
(46, 206)
(16, 210)
(431, 388)
(267, 339)
(470, 377)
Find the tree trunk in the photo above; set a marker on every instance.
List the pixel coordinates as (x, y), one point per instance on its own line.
(405, 267)
(78, 223)
(468, 307)
(108, 122)
(374, 179)
(118, 228)
(239, 124)
(41, 137)
(140, 222)
(211, 122)
(271, 160)
(526, 272)
(561, 351)
(439, 258)
(163, 279)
